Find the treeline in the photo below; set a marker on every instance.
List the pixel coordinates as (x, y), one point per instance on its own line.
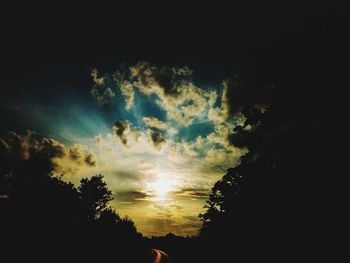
(43, 216)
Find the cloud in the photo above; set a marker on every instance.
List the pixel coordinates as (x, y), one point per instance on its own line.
(76, 152)
(4, 147)
(121, 128)
(182, 100)
(189, 104)
(217, 115)
(218, 160)
(153, 122)
(127, 91)
(126, 88)
(192, 166)
(175, 92)
(24, 147)
(150, 78)
(80, 154)
(172, 131)
(131, 196)
(78, 161)
(102, 96)
(221, 133)
(220, 114)
(90, 159)
(156, 138)
(17, 150)
(191, 218)
(98, 139)
(193, 192)
(189, 147)
(101, 92)
(52, 147)
(96, 79)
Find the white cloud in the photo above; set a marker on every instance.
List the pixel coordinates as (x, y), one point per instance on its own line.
(220, 114)
(127, 91)
(154, 123)
(98, 80)
(182, 100)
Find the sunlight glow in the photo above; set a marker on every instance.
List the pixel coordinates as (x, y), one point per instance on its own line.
(161, 187)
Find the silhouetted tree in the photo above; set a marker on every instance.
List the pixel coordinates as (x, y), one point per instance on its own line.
(42, 212)
(109, 217)
(126, 226)
(95, 195)
(269, 193)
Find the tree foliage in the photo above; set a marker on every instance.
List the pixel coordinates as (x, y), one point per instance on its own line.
(94, 195)
(40, 211)
(270, 192)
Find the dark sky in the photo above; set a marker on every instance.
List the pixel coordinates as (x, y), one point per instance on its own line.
(47, 52)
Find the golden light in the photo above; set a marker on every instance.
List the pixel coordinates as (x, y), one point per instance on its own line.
(161, 187)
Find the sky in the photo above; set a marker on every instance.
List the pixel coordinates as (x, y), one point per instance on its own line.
(167, 146)
(158, 134)
(151, 109)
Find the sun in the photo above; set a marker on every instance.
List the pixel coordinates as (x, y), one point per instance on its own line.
(161, 187)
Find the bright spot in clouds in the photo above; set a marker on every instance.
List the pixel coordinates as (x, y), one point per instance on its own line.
(161, 187)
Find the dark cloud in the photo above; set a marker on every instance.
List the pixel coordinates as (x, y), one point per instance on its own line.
(177, 94)
(193, 192)
(17, 150)
(103, 96)
(25, 146)
(101, 91)
(90, 159)
(238, 94)
(4, 147)
(16, 146)
(75, 153)
(20, 153)
(156, 138)
(52, 148)
(131, 196)
(120, 128)
(81, 155)
(166, 77)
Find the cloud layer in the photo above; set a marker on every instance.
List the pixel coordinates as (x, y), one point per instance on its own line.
(182, 145)
(19, 149)
(161, 145)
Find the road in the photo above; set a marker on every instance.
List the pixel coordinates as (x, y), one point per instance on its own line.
(160, 256)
